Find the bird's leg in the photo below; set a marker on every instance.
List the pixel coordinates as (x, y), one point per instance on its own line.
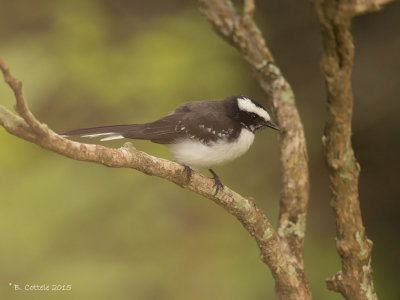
(188, 171)
(217, 182)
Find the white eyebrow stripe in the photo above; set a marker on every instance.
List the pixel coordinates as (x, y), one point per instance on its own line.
(246, 104)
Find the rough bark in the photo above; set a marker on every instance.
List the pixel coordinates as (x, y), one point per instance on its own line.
(367, 6)
(281, 250)
(354, 281)
(241, 31)
(24, 125)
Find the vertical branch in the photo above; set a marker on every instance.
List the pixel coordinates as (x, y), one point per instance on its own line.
(241, 31)
(354, 281)
(243, 34)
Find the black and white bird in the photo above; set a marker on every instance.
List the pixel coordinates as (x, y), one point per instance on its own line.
(199, 134)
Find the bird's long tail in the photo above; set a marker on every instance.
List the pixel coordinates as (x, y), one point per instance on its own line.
(107, 133)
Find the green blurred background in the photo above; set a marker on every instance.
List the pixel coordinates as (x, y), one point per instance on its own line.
(119, 234)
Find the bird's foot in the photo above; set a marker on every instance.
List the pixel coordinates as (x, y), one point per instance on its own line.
(217, 182)
(188, 171)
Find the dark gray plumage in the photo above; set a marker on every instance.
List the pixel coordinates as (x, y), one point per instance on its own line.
(200, 134)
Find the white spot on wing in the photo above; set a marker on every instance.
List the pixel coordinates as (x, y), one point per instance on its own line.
(246, 104)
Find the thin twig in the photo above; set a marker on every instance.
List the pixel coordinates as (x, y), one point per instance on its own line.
(368, 6)
(20, 104)
(249, 9)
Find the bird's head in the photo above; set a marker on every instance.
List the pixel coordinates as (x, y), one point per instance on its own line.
(252, 115)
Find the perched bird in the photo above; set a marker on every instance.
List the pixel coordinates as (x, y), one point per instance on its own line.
(199, 134)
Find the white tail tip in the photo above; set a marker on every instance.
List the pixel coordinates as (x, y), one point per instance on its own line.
(114, 137)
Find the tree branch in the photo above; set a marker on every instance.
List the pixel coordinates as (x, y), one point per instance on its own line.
(241, 31)
(244, 209)
(243, 34)
(368, 6)
(20, 106)
(354, 281)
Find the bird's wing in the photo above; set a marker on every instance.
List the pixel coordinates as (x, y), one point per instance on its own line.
(163, 131)
(189, 121)
(186, 125)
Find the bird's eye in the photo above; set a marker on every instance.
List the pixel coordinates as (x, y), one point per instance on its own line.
(253, 116)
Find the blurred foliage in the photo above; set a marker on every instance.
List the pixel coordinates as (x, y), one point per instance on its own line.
(116, 233)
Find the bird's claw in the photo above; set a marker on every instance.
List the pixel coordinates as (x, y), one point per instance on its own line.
(188, 171)
(217, 182)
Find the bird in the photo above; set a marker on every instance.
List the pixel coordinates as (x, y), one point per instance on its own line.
(199, 134)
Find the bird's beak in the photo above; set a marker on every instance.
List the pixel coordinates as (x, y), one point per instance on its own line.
(271, 125)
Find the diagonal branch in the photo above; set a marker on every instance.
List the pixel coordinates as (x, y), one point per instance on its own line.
(244, 209)
(243, 34)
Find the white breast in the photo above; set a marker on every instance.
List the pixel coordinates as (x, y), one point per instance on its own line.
(201, 156)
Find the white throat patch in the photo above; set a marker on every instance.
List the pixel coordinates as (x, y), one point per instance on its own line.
(246, 104)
